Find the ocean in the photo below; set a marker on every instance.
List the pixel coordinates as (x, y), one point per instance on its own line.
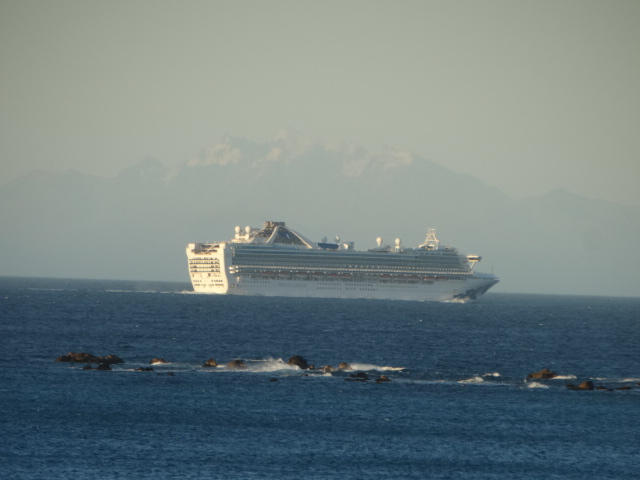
(458, 403)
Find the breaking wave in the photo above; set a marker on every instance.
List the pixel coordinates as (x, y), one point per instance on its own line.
(536, 385)
(475, 379)
(369, 367)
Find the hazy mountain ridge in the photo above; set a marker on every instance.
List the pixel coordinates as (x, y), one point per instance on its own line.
(136, 225)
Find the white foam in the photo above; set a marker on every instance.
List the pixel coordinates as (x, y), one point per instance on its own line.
(369, 366)
(536, 385)
(271, 365)
(494, 374)
(475, 379)
(564, 377)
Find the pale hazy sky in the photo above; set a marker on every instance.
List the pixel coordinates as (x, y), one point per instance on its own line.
(525, 95)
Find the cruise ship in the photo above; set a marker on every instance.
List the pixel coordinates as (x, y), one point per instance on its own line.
(275, 260)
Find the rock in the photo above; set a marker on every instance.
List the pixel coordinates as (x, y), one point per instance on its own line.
(358, 377)
(299, 362)
(273, 379)
(87, 367)
(144, 369)
(210, 363)
(344, 366)
(103, 366)
(382, 379)
(587, 385)
(156, 361)
(111, 359)
(327, 369)
(624, 387)
(81, 357)
(545, 373)
(237, 364)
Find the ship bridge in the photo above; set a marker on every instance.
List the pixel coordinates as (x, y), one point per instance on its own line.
(273, 233)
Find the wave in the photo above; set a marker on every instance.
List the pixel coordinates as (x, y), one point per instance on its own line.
(475, 379)
(536, 385)
(369, 367)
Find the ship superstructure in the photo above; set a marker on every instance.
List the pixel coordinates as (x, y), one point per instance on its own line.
(277, 261)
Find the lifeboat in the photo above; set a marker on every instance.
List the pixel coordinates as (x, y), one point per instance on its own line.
(284, 274)
(301, 275)
(317, 274)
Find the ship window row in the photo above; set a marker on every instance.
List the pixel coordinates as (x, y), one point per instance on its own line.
(335, 259)
(348, 276)
(321, 264)
(350, 268)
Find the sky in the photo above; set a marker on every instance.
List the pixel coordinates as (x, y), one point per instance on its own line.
(526, 96)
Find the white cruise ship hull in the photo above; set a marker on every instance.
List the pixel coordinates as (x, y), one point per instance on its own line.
(438, 291)
(276, 261)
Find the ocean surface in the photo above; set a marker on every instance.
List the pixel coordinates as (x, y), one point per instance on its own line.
(458, 405)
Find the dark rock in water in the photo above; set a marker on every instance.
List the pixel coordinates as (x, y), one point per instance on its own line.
(344, 366)
(545, 373)
(358, 377)
(599, 387)
(273, 379)
(237, 364)
(155, 361)
(144, 369)
(588, 385)
(87, 367)
(81, 357)
(111, 359)
(103, 366)
(382, 379)
(623, 387)
(210, 363)
(327, 369)
(298, 361)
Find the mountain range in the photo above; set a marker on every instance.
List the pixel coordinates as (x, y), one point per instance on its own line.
(135, 226)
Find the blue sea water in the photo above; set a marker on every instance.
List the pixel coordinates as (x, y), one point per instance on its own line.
(458, 404)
